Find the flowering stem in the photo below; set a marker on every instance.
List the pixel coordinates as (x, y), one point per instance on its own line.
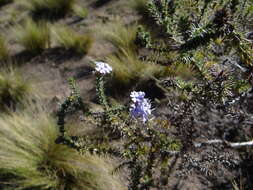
(101, 92)
(75, 102)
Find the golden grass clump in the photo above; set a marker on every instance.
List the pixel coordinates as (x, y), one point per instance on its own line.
(14, 89)
(30, 158)
(49, 8)
(128, 69)
(71, 40)
(4, 51)
(34, 37)
(120, 36)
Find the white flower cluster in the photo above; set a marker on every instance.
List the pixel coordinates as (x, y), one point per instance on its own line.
(141, 107)
(103, 68)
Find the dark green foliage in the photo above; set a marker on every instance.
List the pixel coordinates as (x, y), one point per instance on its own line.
(148, 149)
(75, 102)
(162, 11)
(190, 25)
(101, 92)
(195, 28)
(143, 38)
(207, 49)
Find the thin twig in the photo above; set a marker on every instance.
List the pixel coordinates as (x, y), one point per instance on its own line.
(229, 144)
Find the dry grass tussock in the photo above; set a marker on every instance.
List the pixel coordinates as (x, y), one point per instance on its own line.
(128, 69)
(14, 88)
(72, 40)
(34, 37)
(30, 159)
(120, 36)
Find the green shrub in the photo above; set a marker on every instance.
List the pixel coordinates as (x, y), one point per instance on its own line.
(49, 8)
(30, 159)
(14, 89)
(4, 51)
(71, 40)
(34, 37)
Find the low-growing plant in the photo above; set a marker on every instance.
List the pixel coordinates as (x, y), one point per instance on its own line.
(49, 8)
(162, 11)
(14, 88)
(30, 159)
(34, 37)
(149, 152)
(4, 51)
(72, 40)
(148, 146)
(143, 37)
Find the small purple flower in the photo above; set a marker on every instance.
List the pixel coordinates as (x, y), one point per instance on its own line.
(103, 68)
(141, 107)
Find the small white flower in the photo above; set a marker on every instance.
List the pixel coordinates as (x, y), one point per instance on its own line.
(103, 68)
(137, 96)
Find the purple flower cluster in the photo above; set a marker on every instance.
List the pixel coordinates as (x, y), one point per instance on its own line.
(103, 68)
(141, 107)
